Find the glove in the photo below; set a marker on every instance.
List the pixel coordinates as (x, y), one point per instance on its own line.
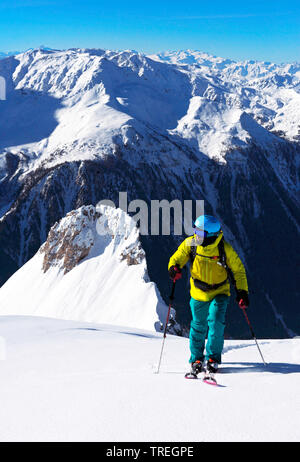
(242, 298)
(175, 273)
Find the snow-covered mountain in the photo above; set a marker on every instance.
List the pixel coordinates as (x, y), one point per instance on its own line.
(206, 103)
(6, 54)
(81, 125)
(239, 70)
(73, 381)
(92, 268)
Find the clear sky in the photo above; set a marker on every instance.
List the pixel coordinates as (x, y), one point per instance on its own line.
(265, 30)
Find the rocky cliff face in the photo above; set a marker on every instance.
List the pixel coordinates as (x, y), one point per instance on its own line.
(70, 240)
(115, 122)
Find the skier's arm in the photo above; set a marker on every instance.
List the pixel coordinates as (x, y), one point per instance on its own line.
(235, 264)
(181, 256)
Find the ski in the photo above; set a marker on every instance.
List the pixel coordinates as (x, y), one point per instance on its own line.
(196, 368)
(209, 378)
(191, 375)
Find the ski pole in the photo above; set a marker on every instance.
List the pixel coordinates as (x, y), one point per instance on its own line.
(252, 332)
(171, 298)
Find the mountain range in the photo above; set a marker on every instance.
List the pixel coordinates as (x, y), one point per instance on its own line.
(81, 125)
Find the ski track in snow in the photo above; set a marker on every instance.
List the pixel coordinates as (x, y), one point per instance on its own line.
(73, 381)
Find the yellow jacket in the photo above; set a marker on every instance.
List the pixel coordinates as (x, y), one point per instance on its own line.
(208, 270)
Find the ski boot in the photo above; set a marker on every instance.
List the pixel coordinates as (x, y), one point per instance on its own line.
(212, 366)
(211, 370)
(196, 368)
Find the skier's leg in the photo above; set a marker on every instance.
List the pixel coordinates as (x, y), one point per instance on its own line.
(216, 326)
(198, 329)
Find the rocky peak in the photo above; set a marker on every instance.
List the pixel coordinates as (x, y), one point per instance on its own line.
(71, 239)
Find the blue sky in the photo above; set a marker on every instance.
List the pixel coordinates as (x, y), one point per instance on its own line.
(263, 30)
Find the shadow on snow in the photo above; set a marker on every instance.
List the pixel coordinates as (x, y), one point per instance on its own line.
(277, 368)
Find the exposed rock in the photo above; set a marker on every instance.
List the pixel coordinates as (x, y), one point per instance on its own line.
(70, 240)
(133, 254)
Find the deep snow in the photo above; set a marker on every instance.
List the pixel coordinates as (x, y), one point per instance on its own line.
(73, 381)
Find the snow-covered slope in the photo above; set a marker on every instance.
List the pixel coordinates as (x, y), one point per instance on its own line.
(71, 381)
(91, 268)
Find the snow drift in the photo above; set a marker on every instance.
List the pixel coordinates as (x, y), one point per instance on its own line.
(92, 268)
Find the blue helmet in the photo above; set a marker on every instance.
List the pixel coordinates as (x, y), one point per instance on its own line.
(207, 225)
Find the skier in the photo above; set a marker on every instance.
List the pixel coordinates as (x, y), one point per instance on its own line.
(214, 263)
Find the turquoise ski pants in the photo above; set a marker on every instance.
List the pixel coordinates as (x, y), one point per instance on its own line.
(208, 317)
